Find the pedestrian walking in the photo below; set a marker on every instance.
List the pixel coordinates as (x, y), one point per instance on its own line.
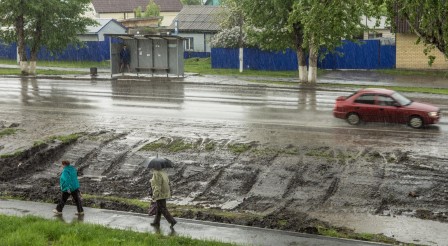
(125, 58)
(160, 185)
(69, 186)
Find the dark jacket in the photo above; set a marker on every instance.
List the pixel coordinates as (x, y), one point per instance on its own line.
(125, 55)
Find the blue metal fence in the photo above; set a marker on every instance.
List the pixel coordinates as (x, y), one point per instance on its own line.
(368, 55)
(92, 51)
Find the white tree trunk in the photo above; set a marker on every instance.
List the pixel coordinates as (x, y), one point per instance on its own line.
(303, 73)
(24, 67)
(241, 59)
(301, 59)
(32, 68)
(312, 71)
(312, 74)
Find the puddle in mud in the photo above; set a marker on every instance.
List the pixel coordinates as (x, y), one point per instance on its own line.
(403, 229)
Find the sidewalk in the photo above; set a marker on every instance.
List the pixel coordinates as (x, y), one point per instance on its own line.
(242, 235)
(359, 77)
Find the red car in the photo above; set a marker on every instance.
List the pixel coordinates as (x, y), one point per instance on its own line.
(382, 105)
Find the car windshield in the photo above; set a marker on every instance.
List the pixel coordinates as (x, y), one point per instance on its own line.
(402, 100)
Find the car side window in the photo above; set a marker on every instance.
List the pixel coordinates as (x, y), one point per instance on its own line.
(384, 100)
(366, 99)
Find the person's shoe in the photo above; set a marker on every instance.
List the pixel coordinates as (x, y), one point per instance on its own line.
(155, 224)
(173, 223)
(55, 211)
(79, 213)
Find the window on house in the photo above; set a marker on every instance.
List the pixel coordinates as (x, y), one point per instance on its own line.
(375, 35)
(189, 44)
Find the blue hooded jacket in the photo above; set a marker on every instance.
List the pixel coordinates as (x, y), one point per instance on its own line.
(69, 179)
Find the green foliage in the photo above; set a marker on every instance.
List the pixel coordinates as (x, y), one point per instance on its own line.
(210, 146)
(138, 12)
(191, 2)
(66, 138)
(176, 145)
(238, 148)
(228, 38)
(11, 155)
(427, 19)
(152, 9)
(50, 23)
(7, 132)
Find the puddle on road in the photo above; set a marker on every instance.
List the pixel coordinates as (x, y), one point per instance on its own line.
(404, 229)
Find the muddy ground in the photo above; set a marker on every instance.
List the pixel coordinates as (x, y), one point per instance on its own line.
(261, 185)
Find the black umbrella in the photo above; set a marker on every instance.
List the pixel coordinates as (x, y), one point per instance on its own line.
(157, 163)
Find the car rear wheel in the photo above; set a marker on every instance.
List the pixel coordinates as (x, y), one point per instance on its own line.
(353, 119)
(415, 121)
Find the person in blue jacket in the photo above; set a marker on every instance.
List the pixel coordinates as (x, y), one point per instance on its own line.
(69, 186)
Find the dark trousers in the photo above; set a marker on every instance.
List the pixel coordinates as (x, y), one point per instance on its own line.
(162, 209)
(76, 194)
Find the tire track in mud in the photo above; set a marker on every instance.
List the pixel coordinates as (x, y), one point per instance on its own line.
(284, 180)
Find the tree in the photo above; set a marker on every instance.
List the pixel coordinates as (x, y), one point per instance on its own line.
(271, 29)
(306, 26)
(35, 24)
(228, 38)
(231, 17)
(325, 25)
(427, 19)
(191, 2)
(152, 9)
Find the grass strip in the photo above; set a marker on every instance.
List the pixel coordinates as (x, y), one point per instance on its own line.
(7, 132)
(64, 64)
(32, 230)
(16, 71)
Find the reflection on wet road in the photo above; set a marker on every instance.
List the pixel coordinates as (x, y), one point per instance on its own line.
(243, 112)
(147, 110)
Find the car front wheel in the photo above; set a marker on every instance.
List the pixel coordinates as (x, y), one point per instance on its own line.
(415, 121)
(353, 119)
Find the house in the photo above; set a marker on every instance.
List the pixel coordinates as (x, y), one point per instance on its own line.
(376, 30)
(105, 26)
(411, 55)
(213, 2)
(124, 9)
(197, 24)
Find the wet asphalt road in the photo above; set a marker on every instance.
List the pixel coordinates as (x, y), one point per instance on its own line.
(238, 112)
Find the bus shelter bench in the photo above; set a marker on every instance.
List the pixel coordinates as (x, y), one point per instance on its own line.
(152, 69)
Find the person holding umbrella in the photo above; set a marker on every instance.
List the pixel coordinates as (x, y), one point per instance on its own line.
(160, 185)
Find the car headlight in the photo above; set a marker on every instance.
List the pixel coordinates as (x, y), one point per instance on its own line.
(432, 114)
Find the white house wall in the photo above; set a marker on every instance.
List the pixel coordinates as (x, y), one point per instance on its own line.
(198, 39)
(110, 28)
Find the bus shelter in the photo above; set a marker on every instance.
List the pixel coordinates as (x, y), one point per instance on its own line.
(149, 54)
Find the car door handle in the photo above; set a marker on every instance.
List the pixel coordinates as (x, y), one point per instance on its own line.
(356, 107)
(381, 109)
